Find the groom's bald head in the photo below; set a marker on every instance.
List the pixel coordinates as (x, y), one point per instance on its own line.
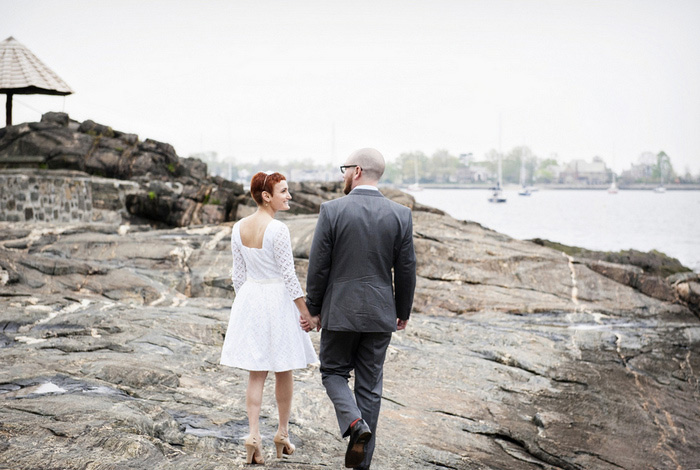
(370, 160)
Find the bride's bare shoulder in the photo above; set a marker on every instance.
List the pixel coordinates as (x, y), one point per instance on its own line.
(249, 221)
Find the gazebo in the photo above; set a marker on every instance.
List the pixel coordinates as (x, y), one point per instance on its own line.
(22, 73)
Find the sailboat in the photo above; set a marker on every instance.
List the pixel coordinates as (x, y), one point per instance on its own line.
(613, 186)
(497, 196)
(415, 186)
(660, 188)
(524, 190)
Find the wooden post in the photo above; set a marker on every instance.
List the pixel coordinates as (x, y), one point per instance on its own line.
(8, 110)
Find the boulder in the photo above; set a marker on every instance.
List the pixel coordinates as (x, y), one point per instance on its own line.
(687, 287)
(92, 128)
(653, 286)
(653, 262)
(60, 119)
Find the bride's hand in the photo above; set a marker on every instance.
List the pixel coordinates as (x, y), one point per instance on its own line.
(308, 322)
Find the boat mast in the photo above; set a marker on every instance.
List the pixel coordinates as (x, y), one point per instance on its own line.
(500, 151)
(415, 169)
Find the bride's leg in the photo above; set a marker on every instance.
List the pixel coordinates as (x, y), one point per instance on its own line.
(284, 389)
(253, 399)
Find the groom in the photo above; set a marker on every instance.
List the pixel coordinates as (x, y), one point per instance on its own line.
(359, 240)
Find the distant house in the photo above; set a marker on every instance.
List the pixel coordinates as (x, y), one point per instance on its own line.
(583, 172)
(549, 173)
(638, 172)
(314, 175)
(462, 175)
(479, 173)
(642, 170)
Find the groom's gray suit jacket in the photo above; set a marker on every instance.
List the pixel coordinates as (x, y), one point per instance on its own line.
(359, 240)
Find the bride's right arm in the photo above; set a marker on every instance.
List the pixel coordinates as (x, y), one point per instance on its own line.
(238, 270)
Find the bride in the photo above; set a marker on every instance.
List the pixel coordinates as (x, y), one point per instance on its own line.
(265, 328)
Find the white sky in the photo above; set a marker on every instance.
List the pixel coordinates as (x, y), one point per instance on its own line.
(317, 79)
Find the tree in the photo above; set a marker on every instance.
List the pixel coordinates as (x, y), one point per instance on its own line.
(443, 167)
(409, 162)
(687, 175)
(392, 173)
(663, 171)
(491, 160)
(515, 160)
(545, 171)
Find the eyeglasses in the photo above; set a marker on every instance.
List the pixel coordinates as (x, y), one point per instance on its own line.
(343, 167)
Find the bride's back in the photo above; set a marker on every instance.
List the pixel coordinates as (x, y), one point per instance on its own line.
(252, 230)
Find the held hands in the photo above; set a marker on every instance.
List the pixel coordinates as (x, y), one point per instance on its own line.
(309, 323)
(306, 320)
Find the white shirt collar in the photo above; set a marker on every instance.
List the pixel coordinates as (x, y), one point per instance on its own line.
(366, 186)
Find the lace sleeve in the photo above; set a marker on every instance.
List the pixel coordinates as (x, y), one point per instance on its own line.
(282, 245)
(238, 270)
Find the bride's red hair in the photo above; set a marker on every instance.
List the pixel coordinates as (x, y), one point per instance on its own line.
(263, 181)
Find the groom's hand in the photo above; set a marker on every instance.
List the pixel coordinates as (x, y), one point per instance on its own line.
(401, 324)
(316, 323)
(309, 323)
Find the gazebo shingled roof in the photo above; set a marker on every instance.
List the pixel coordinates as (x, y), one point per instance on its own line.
(22, 73)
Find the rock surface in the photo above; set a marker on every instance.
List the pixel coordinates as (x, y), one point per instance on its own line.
(173, 191)
(652, 273)
(516, 357)
(653, 263)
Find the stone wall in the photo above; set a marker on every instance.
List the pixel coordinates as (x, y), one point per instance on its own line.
(48, 197)
(60, 196)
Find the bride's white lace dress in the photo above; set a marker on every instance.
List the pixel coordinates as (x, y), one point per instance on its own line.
(263, 331)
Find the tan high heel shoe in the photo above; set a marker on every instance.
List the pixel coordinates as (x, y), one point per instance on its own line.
(283, 445)
(253, 449)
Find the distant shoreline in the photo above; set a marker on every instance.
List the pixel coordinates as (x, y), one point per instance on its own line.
(592, 187)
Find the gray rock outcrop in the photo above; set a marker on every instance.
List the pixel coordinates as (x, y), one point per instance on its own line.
(653, 273)
(516, 357)
(172, 191)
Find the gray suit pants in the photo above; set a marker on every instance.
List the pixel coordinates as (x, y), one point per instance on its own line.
(342, 352)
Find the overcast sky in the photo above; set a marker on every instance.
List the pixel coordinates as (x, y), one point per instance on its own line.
(317, 79)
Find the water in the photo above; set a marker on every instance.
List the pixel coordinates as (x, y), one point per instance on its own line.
(641, 220)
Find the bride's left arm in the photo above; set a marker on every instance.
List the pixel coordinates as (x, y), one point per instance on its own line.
(282, 249)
